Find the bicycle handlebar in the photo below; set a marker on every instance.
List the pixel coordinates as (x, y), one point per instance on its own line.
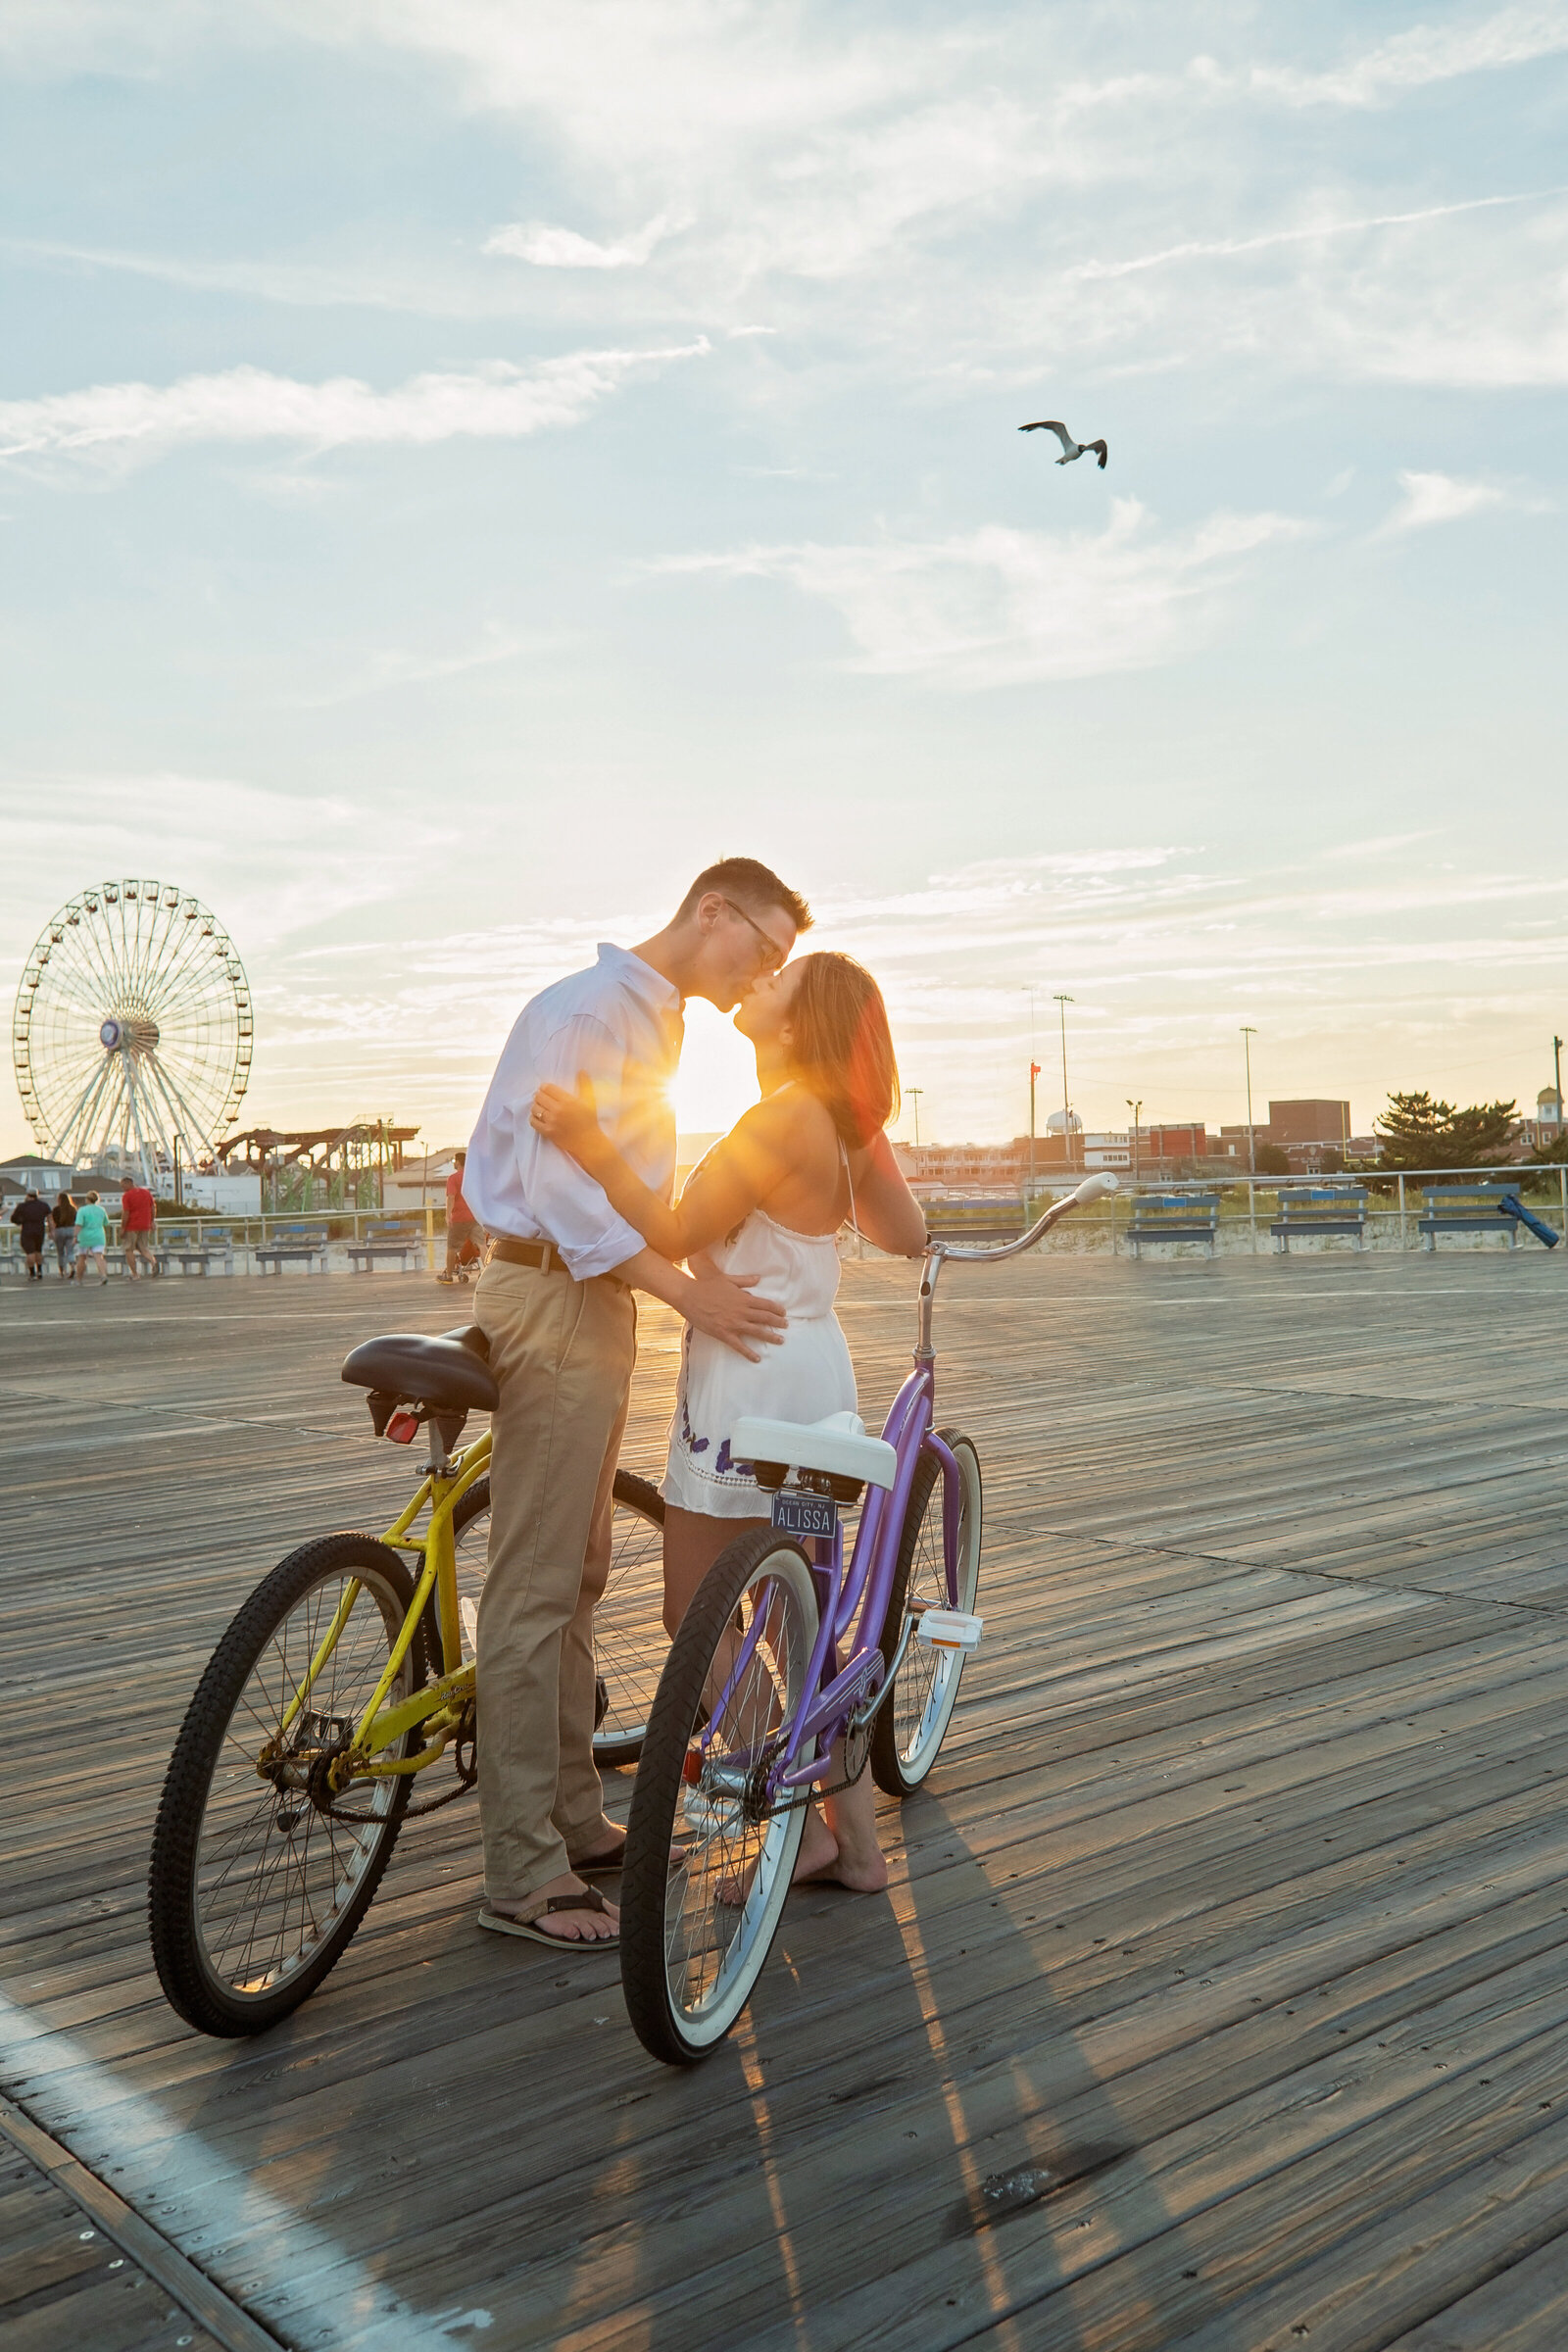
(1093, 1188)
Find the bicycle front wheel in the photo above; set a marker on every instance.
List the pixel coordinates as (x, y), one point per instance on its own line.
(256, 1887)
(629, 1638)
(912, 1721)
(694, 1940)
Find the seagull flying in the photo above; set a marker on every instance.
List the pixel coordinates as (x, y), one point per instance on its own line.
(1071, 448)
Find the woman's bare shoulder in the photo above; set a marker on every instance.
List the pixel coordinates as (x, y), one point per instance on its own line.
(794, 1120)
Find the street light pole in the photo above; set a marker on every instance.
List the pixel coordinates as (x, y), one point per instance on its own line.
(1556, 1066)
(913, 1094)
(1248, 1035)
(1137, 1109)
(1066, 1107)
(1034, 1072)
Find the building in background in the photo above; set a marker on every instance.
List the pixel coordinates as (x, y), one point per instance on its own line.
(1313, 1133)
(30, 1172)
(1537, 1134)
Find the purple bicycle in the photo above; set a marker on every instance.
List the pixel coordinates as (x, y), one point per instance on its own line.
(771, 1669)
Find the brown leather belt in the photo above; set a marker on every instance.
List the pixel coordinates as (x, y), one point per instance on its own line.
(542, 1255)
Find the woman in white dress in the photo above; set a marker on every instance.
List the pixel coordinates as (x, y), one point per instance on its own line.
(766, 1207)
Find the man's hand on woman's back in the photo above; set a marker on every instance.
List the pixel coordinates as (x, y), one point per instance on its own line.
(728, 1309)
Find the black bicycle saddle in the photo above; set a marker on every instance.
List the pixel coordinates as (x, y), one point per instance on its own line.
(446, 1375)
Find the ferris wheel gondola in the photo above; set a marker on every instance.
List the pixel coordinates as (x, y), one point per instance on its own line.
(132, 1032)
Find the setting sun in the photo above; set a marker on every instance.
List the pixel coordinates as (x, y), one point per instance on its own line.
(717, 1074)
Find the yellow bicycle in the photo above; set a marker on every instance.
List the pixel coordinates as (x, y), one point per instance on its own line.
(346, 1673)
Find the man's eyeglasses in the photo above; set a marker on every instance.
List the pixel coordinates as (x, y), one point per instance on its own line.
(774, 954)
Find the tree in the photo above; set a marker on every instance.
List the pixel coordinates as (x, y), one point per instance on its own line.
(1418, 1133)
(1272, 1159)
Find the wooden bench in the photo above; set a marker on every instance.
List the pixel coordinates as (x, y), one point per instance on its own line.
(290, 1247)
(1174, 1217)
(393, 1242)
(1340, 1213)
(1467, 1208)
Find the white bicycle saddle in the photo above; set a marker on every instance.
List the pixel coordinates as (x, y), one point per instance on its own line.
(838, 1445)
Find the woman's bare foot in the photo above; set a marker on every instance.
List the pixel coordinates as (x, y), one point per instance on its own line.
(819, 1850)
(838, 1856)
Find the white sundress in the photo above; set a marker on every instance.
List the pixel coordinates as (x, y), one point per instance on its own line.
(804, 1378)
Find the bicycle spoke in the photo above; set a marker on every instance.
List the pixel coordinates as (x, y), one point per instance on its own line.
(268, 1886)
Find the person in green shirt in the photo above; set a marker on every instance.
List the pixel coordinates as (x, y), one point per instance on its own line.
(92, 1235)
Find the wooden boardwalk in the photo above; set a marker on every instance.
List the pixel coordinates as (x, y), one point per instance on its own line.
(1220, 1998)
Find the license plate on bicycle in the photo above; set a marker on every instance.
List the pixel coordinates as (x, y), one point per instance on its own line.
(796, 1514)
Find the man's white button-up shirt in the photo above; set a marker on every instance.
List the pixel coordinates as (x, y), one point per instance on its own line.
(622, 1022)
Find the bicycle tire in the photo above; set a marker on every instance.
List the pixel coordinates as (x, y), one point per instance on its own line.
(687, 1970)
(193, 1915)
(628, 1629)
(910, 1724)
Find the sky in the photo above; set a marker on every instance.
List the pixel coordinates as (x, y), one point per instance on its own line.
(464, 467)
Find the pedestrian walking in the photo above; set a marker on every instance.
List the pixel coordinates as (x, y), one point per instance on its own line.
(63, 1217)
(93, 1236)
(33, 1219)
(137, 1210)
(464, 1239)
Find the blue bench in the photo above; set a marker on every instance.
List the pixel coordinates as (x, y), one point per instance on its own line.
(398, 1242)
(194, 1255)
(1467, 1208)
(1340, 1213)
(293, 1245)
(1174, 1217)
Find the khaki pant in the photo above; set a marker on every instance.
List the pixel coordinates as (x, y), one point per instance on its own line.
(563, 1352)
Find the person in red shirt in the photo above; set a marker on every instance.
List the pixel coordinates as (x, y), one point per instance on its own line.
(137, 1215)
(464, 1240)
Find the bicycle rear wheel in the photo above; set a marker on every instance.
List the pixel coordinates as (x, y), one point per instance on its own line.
(694, 1940)
(629, 1638)
(910, 1724)
(254, 1889)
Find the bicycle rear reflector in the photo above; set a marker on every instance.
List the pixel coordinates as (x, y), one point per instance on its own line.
(402, 1427)
(948, 1628)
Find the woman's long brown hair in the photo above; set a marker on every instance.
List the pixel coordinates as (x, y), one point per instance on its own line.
(843, 1048)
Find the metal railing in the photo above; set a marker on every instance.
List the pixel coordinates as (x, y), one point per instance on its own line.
(210, 1228)
(1394, 1203)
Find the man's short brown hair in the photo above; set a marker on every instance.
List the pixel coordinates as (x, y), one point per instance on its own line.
(751, 885)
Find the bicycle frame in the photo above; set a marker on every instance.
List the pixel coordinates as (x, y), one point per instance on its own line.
(440, 1707)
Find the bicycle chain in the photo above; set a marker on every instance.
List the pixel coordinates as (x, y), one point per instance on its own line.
(465, 1737)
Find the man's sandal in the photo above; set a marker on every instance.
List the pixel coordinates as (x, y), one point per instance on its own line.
(590, 1899)
(606, 1866)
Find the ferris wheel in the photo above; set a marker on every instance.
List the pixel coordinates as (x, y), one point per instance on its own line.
(132, 1030)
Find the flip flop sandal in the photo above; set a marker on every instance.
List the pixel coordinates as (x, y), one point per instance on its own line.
(589, 1900)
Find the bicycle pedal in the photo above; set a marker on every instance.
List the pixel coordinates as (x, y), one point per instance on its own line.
(949, 1629)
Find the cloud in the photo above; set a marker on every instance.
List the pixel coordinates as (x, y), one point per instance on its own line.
(496, 401)
(1231, 248)
(393, 668)
(1431, 498)
(564, 249)
(1001, 607)
(1426, 53)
